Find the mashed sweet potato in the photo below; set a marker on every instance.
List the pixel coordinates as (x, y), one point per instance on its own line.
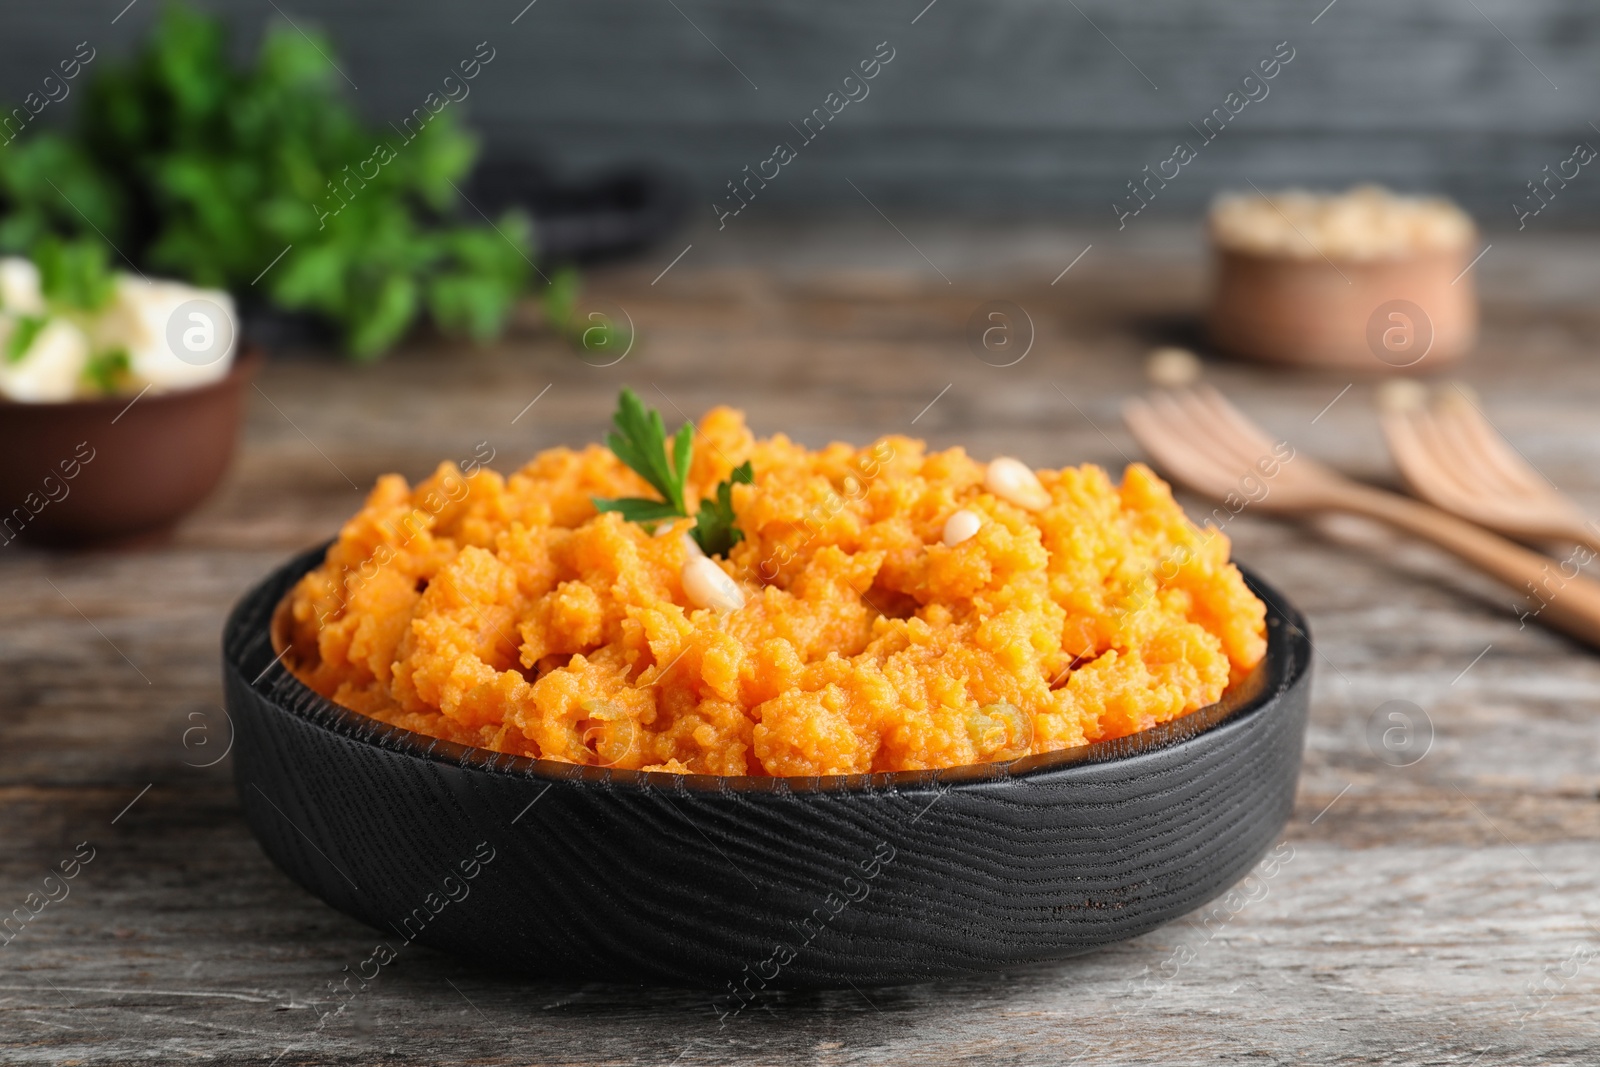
(509, 614)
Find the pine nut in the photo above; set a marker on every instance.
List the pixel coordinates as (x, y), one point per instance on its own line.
(1172, 368)
(708, 586)
(960, 526)
(1014, 481)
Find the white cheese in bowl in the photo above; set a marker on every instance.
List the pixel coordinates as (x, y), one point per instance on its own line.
(50, 367)
(176, 336)
(19, 287)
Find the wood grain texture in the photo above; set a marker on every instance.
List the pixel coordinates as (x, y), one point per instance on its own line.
(744, 885)
(1436, 913)
(998, 106)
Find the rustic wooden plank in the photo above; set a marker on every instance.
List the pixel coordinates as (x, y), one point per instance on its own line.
(1430, 913)
(992, 106)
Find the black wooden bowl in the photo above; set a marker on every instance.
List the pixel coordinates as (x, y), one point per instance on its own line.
(742, 884)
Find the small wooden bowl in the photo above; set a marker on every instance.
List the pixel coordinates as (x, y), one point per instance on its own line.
(741, 884)
(1409, 314)
(86, 472)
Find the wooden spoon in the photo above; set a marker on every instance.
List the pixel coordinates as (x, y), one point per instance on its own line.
(1204, 442)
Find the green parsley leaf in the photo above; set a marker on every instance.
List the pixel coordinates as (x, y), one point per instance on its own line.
(23, 334)
(74, 274)
(105, 369)
(638, 509)
(714, 530)
(560, 299)
(640, 441)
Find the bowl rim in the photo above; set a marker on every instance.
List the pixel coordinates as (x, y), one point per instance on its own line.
(1285, 664)
(247, 360)
(1414, 258)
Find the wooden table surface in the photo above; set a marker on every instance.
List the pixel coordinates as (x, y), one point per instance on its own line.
(1441, 912)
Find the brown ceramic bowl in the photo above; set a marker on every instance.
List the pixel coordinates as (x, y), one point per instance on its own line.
(86, 472)
(1408, 314)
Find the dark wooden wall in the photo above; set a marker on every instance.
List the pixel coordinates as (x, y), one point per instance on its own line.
(1004, 106)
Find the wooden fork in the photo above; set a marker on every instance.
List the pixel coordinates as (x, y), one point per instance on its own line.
(1452, 457)
(1203, 441)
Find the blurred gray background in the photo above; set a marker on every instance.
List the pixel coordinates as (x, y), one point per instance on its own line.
(1003, 107)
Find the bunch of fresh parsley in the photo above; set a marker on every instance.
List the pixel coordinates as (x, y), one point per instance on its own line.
(640, 441)
(199, 168)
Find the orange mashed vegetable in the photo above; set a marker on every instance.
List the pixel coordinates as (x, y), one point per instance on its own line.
(507, 613)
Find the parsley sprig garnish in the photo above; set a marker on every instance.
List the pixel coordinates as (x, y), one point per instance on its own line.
(640, 441)
(714, 530)
(23, 334)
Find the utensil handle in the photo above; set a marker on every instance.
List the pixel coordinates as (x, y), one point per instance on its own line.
(1585, 534)
(1570, 604)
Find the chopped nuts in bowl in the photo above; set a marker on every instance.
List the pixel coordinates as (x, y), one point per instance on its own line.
(1365, 280)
